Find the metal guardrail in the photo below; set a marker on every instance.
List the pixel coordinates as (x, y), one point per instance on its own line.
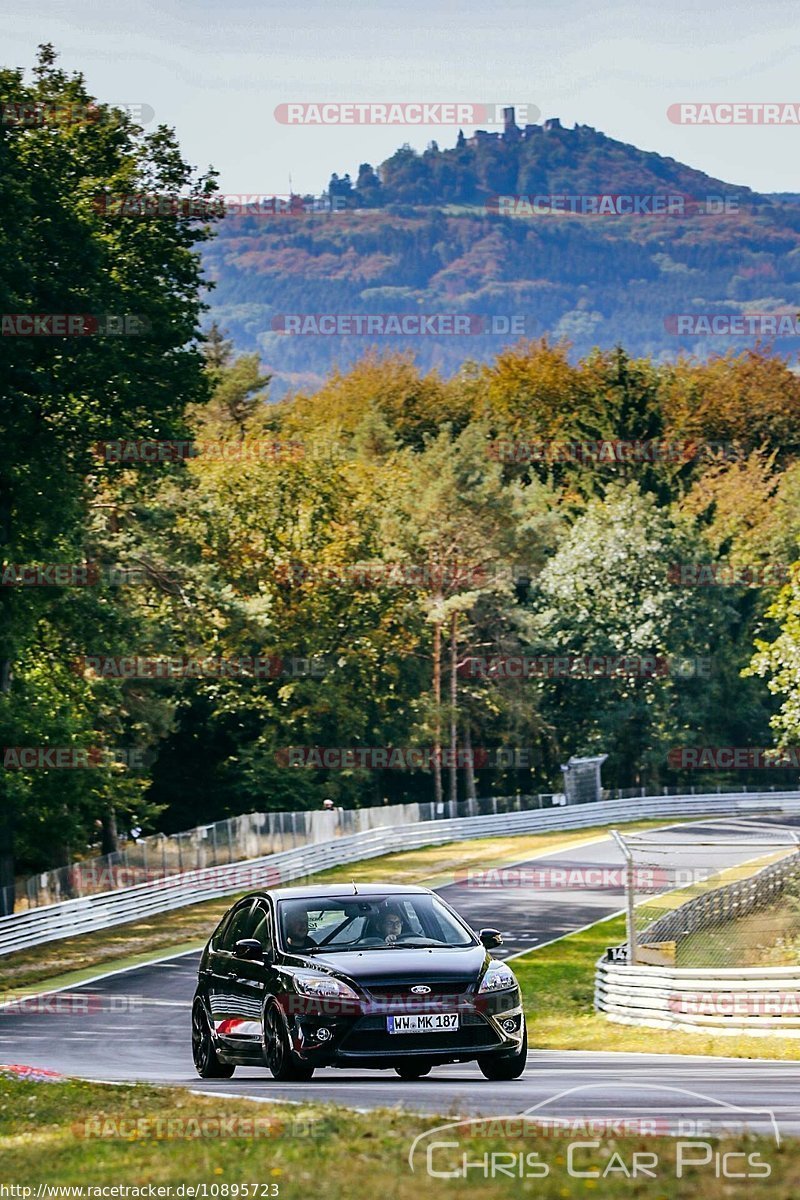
(758, 1001)
(91, 913)
(252, 835)
(235, 839)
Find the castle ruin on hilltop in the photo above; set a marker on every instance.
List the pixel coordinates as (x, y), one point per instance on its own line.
(513, 133)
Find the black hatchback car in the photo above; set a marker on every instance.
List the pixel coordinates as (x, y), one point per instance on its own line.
(354, 975)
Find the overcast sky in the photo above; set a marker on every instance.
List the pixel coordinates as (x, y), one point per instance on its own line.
(217, 70)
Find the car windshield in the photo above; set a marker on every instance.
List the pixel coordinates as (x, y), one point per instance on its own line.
(396, 922)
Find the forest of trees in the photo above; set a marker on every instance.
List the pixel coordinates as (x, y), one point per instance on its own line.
(541, 159)
(591, 280)
(372, 539)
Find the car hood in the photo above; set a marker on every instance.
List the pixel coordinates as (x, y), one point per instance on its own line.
(376, 967)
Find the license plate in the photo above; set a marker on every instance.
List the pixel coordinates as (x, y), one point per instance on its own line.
(422, 1023)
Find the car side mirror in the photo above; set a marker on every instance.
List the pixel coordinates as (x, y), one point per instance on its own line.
(491, 938)
(248, 948)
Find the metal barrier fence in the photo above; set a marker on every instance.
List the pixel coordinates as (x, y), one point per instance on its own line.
(723, 961)
(711, 899)
(236, 839)
(758, 1001)
(253, 835)
(104, 910)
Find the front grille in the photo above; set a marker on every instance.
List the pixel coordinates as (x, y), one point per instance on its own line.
(446, 995)
(370, 1036)
(452, 988)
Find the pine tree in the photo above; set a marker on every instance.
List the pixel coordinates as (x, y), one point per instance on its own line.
(217, 349)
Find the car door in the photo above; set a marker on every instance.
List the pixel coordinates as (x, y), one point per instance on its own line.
(249, 980)
(222, 971)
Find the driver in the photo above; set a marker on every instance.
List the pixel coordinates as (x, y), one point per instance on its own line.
(390, 926)
(296, 930)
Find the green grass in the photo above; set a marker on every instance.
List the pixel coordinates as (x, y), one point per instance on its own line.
(768, 938)
(558, 986)
(68, 1133)
(762, 938)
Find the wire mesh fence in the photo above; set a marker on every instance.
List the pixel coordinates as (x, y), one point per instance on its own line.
(252, 835)
(236, 839)
(719, 894)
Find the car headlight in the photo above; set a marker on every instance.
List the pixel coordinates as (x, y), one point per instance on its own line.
(497, 977)
(324, 987)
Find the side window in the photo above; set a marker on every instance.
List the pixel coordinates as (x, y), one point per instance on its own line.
(238, 927)
(262, 929)
(216, 937)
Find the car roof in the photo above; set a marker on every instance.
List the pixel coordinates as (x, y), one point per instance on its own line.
(341, 891)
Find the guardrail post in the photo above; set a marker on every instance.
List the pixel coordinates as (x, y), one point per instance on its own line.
(630, 920)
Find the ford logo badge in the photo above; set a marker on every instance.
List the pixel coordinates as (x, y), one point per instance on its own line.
(421, 989)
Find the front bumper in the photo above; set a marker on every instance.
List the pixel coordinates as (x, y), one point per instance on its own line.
(324, 1035)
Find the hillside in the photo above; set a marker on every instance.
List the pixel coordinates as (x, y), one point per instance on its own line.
(427, 234)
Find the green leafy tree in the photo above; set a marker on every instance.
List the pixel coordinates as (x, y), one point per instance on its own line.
(455, 521)
(778, 660)
(606, 592)
(61, 252)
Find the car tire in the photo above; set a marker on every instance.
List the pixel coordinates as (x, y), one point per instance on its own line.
(410, 1071)
(504, 1067)
(204, 1053)
(278, 1054)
